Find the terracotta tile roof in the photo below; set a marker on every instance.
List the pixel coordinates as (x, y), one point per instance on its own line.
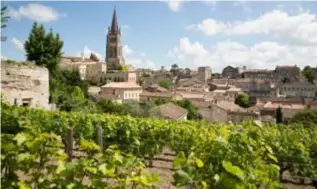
(171, 111)
(157, 94)
(122, 85)
(284, 105)
(204, 104)
(219, 91)
(192, 95)
(234, 89)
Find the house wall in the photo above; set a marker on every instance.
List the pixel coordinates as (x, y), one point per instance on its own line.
(218, 114)
(121, 94)
(237, 117)
(298, 90)
(29, 84)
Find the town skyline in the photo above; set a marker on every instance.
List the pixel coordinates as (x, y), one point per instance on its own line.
(211, 38)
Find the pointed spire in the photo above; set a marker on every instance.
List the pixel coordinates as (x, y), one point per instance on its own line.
(114, 24)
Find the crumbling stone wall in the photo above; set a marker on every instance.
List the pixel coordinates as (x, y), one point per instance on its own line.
(26, 85)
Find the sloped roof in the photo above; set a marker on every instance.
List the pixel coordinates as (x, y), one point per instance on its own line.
(121, 85)
(157, 94)
(171, 111)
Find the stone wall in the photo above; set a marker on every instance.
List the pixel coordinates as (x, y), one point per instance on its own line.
(26, 85)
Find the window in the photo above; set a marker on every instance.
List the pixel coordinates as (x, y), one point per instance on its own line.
(15, 101)
(26, 101)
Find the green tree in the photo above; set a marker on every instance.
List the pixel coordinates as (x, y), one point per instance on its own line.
(107, 106)
(308, 74)
(4, 20)
(166, 83)
(306, 118)
(192, 110)
(44, 49)
(279, 115)
(123, 68)
(242, 100)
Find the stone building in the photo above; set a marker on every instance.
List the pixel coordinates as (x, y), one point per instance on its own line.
(114, 57)
(121, 91)
(122, 77)
(204, 73)
(223, 112)
(170, 111)
(258, 74)
(291, 73)
(257, 87)
(25, 85)
(230, 72)
(297, 89)
(90, 69)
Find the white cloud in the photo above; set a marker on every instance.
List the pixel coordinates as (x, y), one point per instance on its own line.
(209, 27)
(3, 57)
(138, 60)
(299, 29)
(36, 12)
(175, 5)
(18, 44)
(126, 50)
(87, 52)
(265, 54)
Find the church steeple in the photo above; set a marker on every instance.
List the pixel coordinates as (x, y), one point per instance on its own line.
(114, 25)
(114, 57)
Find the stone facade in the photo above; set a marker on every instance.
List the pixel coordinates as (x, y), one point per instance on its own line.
(122, 77)
(257, 87)
(114, 57)
(258, 74)
(221, 114)
(297, 89)
(291, 73)
(230, 72)
(121, 91)
(204, 73)
(25, 85)
(89, 69)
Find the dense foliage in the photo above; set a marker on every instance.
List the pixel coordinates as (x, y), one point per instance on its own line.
(305, 117)
(165, 83)
(308, 74)
(45, 49)
(69, 92)
(247, 155)
(242, 100)
(40, 157)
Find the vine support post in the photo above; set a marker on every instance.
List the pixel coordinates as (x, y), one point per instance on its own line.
(69, 147)
(69, 143)
(100, 138)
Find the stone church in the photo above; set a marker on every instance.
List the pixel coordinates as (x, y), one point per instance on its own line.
(114, 57)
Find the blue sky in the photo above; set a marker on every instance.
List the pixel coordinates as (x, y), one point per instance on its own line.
(191, 34)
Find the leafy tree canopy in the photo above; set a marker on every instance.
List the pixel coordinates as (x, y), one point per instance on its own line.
(45, 49)
(306, 118)
(308, 74)
(242, 100)
(166, 83)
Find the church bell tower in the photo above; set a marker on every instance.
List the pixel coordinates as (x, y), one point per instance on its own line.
(114, 57)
